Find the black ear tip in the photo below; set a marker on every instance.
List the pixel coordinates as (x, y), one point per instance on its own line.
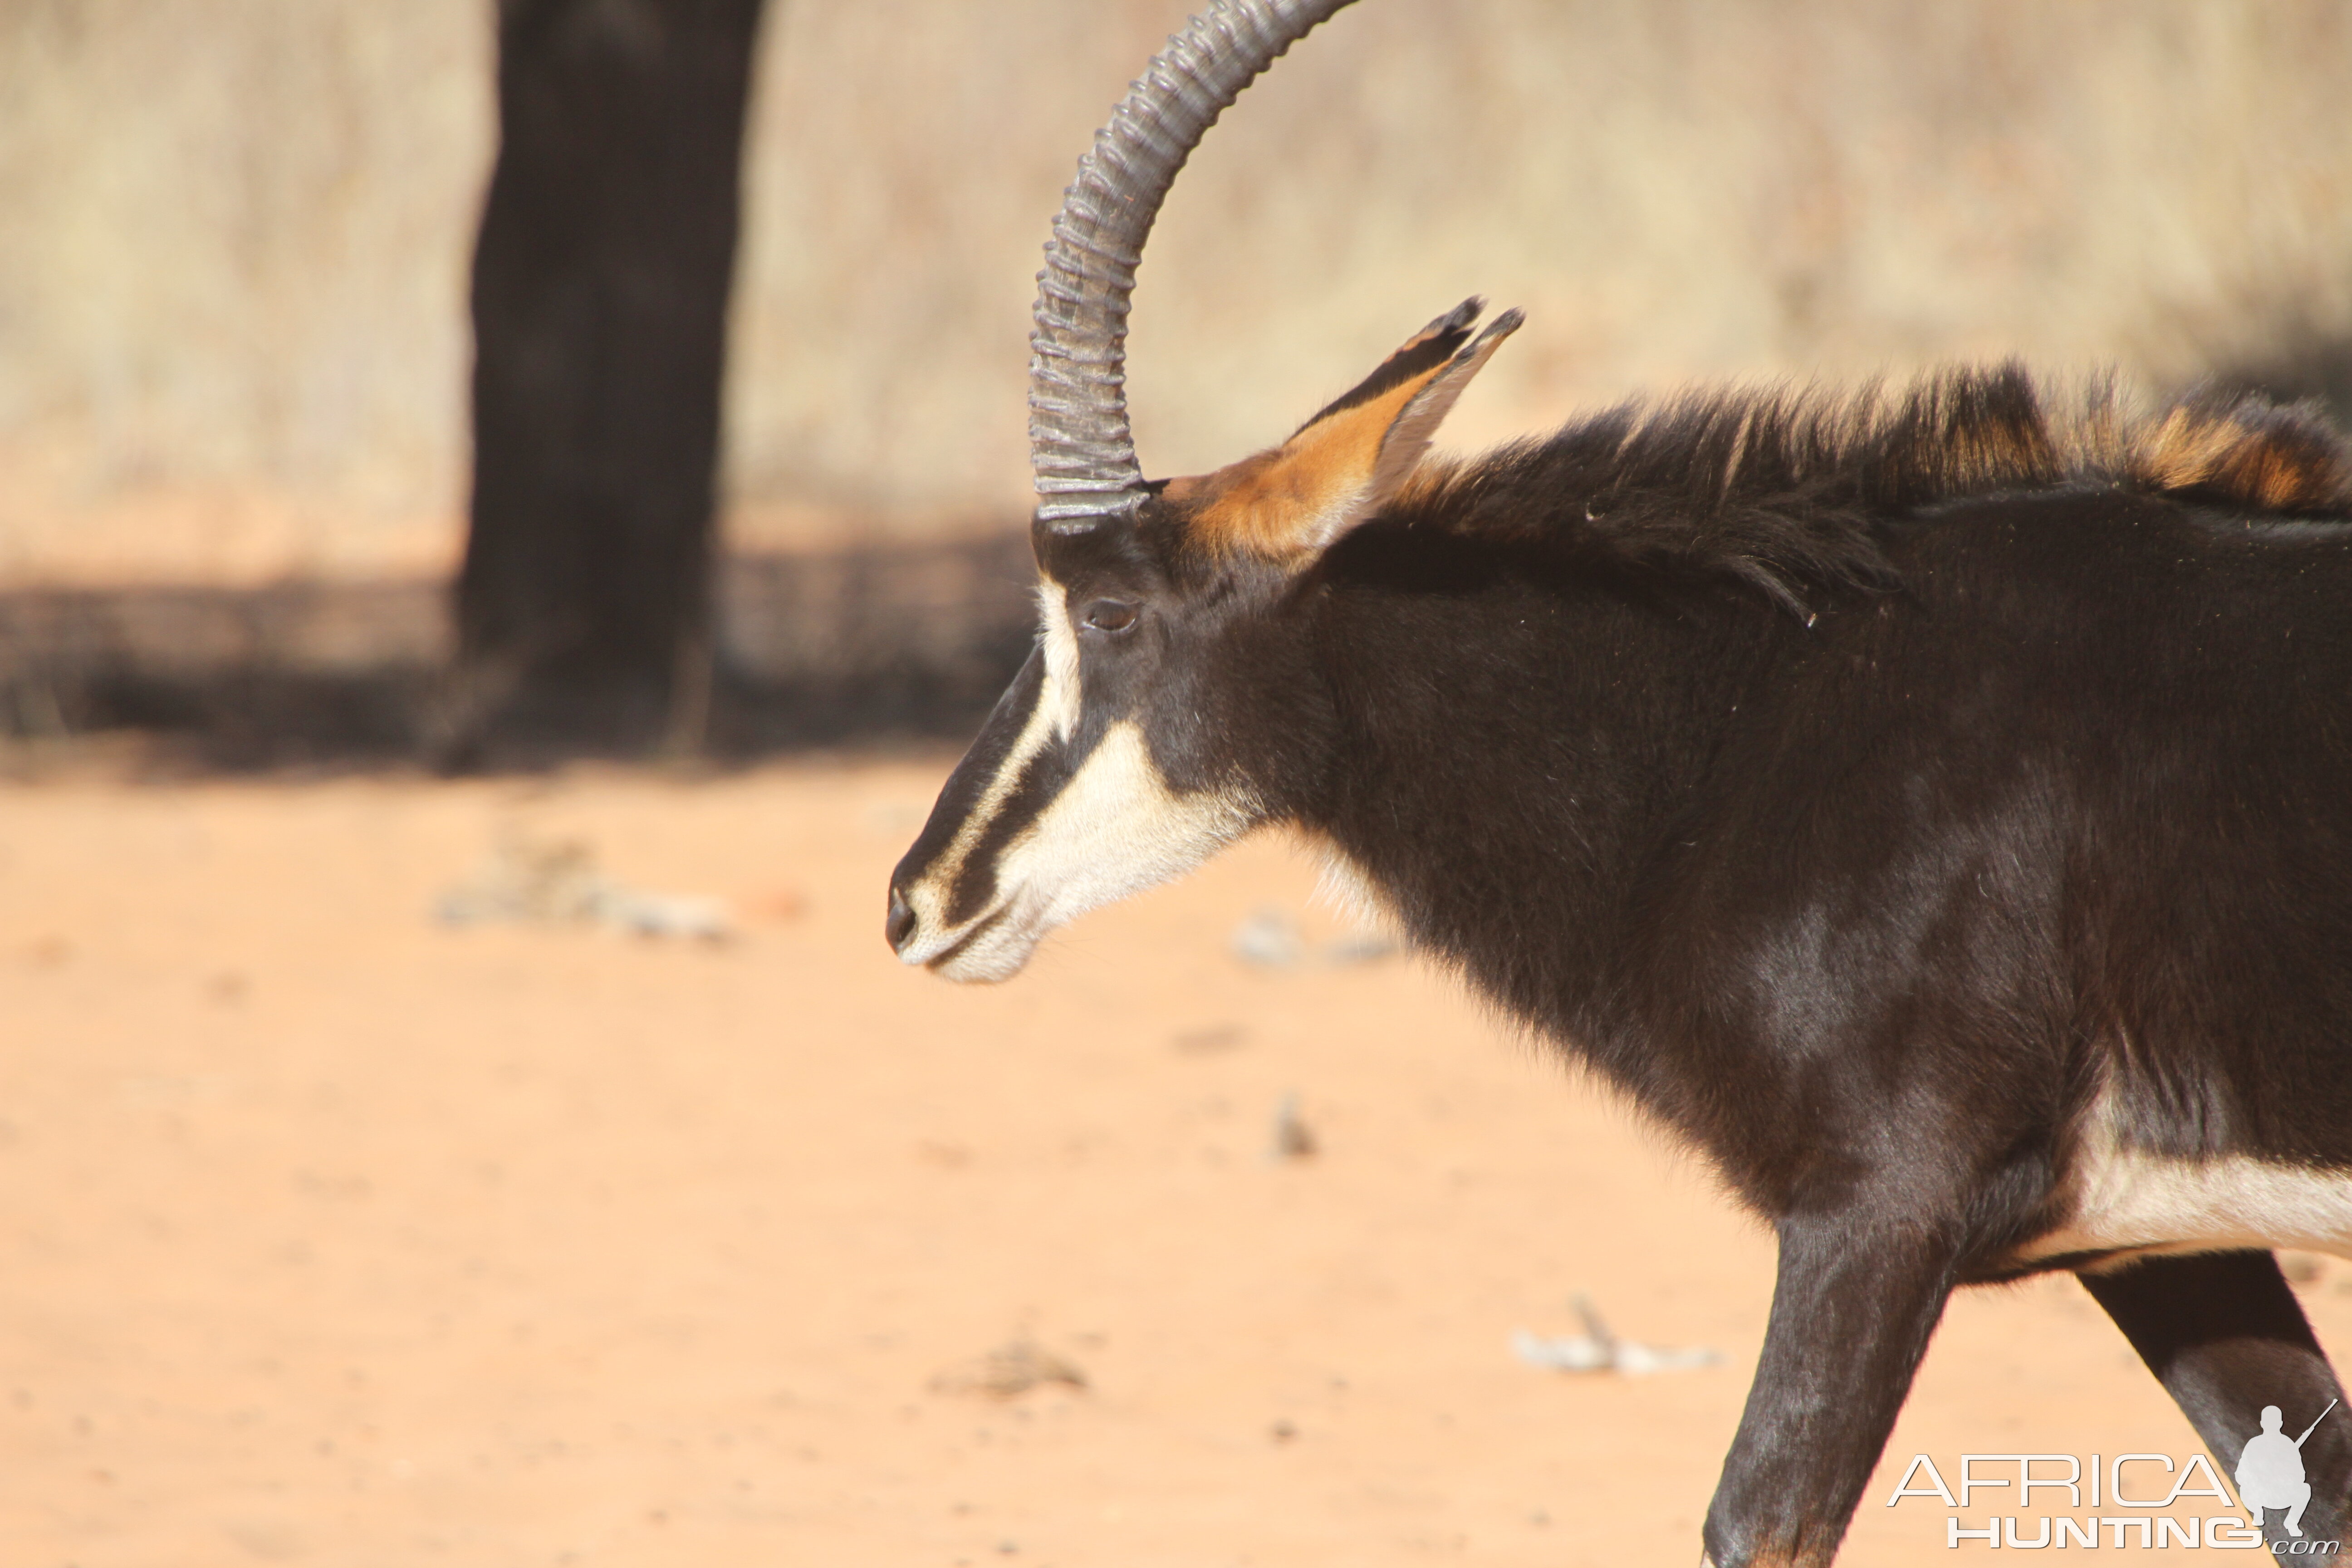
(1501, 327)
(1454, 322)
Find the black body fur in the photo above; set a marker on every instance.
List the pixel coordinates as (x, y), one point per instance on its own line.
(1870, 791)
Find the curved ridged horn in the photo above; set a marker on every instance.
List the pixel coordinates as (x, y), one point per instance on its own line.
(1080, 442)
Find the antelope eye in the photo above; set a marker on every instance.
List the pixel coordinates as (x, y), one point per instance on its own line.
(1110, 616)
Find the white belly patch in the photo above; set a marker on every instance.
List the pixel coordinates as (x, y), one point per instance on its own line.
(2130, 1200)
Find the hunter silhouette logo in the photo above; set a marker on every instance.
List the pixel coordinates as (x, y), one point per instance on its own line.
(2123, 1501)
(2269, 1472)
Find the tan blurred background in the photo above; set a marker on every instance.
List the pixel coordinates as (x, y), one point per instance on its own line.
(234, 238)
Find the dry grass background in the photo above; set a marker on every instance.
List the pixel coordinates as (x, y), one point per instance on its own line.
(233, 246)
(234, 236)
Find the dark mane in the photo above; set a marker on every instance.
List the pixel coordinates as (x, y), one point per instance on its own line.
(1788, 486)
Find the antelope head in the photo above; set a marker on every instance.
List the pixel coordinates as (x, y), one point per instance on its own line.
(1168, 708)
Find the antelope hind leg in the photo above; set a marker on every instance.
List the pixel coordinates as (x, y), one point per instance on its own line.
(2225, 1336)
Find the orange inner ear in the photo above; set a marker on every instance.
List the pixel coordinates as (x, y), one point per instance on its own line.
(1290, 497)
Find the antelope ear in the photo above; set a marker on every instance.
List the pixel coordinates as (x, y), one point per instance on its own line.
(1350, 459)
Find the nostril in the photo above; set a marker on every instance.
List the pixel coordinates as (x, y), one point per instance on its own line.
(901, 923)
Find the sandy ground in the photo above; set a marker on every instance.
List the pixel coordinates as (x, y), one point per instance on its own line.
(331, 1235)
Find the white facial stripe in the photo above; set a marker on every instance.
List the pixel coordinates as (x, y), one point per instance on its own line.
(2127, 1198)
(1115, 828)
(929, 897)
(1056, 717)
(1063, 695)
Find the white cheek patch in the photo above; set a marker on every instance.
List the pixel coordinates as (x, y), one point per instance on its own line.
(2127, 1198)
(1064, 696)
(1115, 828)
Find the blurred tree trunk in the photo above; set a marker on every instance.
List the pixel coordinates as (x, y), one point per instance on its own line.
(600, 289)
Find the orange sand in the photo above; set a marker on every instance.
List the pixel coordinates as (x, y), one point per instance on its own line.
(330, 1235)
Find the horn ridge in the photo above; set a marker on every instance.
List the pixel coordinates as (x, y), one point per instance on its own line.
(1080, 445)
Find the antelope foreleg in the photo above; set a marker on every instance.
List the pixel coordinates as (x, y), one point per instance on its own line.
(1852, 1307)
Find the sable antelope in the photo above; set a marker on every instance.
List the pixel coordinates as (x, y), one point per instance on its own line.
(1936, 807)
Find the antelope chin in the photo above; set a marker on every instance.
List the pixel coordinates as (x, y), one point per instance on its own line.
(988, 963)
(992, 949)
